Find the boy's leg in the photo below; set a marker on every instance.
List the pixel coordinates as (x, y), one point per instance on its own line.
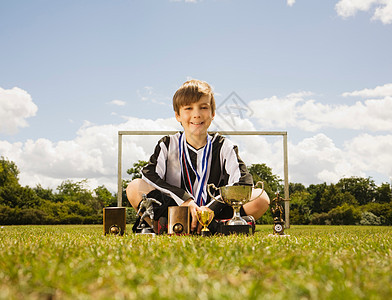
(135, 189)
(258, 206)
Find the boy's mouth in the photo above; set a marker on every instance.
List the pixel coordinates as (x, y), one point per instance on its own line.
(199, 123)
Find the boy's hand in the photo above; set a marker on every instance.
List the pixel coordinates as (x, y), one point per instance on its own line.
(193, 207)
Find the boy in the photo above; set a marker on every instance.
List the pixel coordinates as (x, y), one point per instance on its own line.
(183, 164)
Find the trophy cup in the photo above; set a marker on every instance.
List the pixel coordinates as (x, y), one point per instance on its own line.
(235, 196)
(277, 213)
(146, 211)
(205, 217)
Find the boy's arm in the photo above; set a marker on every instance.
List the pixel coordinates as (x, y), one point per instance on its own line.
(235, 168)
(155, 172)
(150, 176)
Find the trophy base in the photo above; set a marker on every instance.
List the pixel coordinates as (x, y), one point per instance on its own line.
(234, 229)
(278, 228)
(279, 235)
(145, 230)
(205, 233)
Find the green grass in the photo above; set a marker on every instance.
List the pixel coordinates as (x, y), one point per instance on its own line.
(78, 262)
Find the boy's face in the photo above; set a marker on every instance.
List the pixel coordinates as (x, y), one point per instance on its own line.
(196, 117)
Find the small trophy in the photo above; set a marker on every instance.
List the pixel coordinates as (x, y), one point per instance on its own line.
(235, 196)
(277, 213)
(205, 217)
(146, 205)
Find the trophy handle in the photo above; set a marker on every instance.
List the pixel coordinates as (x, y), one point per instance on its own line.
(198, 218)
(212, 196)
(262, 189)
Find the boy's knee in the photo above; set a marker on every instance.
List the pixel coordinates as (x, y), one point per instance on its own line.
(135, 189)
(262, 198)
(132, 192)
(132, 187)
(134, 183)
(259, 205)
(263, 203)
(265, 199)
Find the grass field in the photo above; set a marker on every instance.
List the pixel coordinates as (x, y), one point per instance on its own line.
(78, 262)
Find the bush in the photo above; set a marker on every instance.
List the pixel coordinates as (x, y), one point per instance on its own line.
(95, 219)
(368, 218)
(266, 218)
(344, 215)
(71, 219)
(299, 216)
(31, 216)
(382, 210)
(131, 215)
(18, 216)
(320, 219)
(7, 215)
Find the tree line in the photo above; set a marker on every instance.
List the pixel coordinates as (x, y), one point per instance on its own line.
(71, 203)
(351, 201)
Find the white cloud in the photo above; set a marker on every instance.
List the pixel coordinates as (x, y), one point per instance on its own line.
(384, 13)
(371, 153)
(379, 91)
(318, 159)
(16, 105)
(92, 154)
(295, 110)
(290, 2)
(117, 102)
(382, 9)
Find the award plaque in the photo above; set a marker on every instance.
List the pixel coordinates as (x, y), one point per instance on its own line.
(178, 220)
(114, 221)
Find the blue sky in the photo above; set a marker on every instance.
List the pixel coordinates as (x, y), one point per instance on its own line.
(73, 73)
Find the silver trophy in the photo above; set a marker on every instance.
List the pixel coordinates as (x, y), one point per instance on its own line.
(235, 196)
(146, 206)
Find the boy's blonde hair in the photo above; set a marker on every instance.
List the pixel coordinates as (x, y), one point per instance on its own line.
(190, 92)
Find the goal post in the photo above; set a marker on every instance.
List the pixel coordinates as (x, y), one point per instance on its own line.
(162, 133)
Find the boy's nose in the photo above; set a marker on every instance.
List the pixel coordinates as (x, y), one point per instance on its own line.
(196, 113)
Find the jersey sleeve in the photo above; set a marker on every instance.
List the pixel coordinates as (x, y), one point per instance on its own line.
(234, 167)
(154, 173)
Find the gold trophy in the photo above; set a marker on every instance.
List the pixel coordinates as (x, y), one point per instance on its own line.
(235, 196)
(205, 217)
(277, 213)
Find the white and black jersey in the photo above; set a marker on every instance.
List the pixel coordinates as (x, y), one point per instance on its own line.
(163, 170)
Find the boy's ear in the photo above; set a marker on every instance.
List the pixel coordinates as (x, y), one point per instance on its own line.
(178, 117)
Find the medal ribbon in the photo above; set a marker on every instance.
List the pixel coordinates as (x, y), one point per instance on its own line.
(199, 188)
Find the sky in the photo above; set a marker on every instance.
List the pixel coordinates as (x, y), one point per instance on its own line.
(74, 73)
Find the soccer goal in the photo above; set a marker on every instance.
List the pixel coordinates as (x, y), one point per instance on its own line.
(225, 133)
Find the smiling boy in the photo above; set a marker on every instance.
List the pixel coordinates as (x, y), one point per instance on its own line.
(184, 163)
